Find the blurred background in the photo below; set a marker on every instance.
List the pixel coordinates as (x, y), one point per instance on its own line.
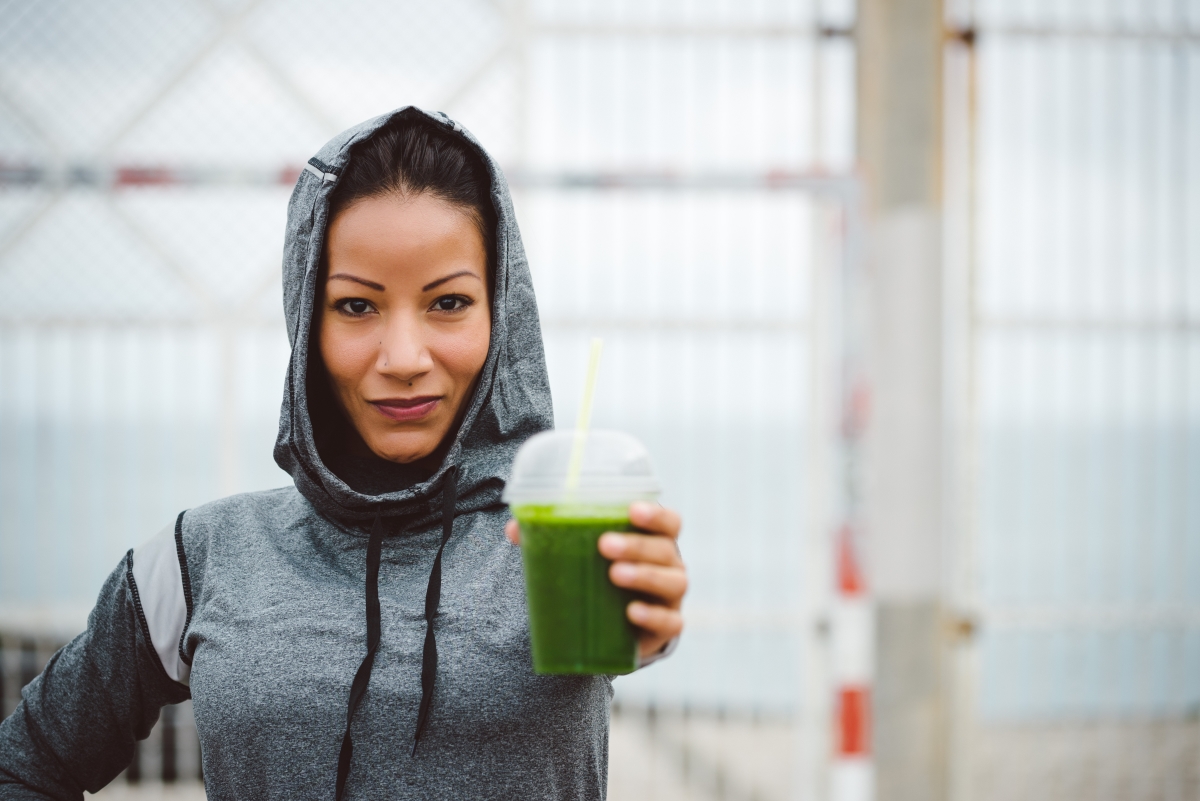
(904, 296)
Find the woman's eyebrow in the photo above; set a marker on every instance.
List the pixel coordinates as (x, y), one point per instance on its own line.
(441, 281)
(357, 280)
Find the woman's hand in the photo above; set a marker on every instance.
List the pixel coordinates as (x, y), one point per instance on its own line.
(647, 563)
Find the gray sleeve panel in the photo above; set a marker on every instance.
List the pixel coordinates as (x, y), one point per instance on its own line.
(77, 722)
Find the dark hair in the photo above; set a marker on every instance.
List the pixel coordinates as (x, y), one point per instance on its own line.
(412, 154)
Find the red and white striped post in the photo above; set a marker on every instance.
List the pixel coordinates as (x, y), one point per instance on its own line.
(852, 775)
(852, 615)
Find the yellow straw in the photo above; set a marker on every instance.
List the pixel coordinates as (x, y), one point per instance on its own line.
(585, 417)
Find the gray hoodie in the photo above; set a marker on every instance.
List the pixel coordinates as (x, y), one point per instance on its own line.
(254, 606)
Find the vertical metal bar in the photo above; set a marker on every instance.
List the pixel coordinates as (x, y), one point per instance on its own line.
(968, 543)
(1144, 410)
(74, 513)
(29, 665)
(113, 478)
(817, 159)
(962, 464)
(167, 724)
(812, 780)
(1181, 346)
(4, 707)
(40, 467)
(521, 33)
(227, 419)
(855, 629)
(10, 545)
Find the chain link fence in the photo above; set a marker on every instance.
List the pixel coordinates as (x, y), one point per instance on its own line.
(662, 157)
(658, 154)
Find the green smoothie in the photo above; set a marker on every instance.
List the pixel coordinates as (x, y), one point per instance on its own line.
(576, 615)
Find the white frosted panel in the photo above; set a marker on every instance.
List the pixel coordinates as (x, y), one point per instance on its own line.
(1086, 199)
(669, 256)
(672, 102)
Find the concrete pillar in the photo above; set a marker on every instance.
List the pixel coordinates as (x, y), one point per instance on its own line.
(899, 150)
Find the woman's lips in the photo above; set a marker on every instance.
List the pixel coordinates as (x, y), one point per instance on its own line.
(406, 409)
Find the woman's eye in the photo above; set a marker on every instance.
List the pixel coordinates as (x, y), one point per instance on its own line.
(451, 303)
(354, 306)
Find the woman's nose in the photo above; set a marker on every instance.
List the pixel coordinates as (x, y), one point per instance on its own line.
(403, 352)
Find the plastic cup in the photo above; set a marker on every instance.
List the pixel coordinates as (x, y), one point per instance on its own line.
(576, 615)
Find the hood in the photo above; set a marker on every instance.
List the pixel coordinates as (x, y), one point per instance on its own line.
(511, 401)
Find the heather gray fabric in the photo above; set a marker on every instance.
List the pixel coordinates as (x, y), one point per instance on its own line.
(274, 584)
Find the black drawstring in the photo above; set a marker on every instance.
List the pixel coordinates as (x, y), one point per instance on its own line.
(433, 594)
(363, 677)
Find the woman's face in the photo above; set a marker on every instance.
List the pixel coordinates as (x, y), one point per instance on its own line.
(405, 321)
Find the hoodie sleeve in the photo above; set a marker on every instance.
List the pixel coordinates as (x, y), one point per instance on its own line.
(662, 653)
(77, 723)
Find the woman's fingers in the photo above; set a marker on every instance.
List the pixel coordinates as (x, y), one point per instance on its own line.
(655, 519)
(658, 625)
(513, 532)
(650, 563)
(653, 548)
(666, 583)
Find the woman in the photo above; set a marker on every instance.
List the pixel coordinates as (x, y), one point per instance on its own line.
(362, 634)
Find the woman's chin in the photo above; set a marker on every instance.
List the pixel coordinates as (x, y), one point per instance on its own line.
(405, 452)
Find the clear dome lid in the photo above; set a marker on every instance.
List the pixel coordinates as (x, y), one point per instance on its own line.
(615, 468)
